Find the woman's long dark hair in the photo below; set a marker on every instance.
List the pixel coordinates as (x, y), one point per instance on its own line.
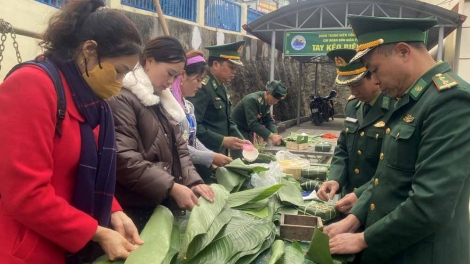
(163, 49)
(83, 20)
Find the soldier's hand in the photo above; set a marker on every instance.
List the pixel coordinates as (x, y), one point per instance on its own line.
(348, 225)
(348, 243)
(234, 143)
(221, 160)
(328, 187)
(276, 139)
(344, 205)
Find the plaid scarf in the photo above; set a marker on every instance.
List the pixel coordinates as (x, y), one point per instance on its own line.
(96, 180)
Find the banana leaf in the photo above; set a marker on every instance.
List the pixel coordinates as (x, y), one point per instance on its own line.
(273, 205)
(260, 213)
(311, 185)
(243, 233)
(253, 205)
(286, 209)
(241, 168)
(264, 158)
(290, 194)
(253, 195)
(157, 236)
(201, 241)
(319, 250)
(249, 258)
(104, 260)
(293, 254)
(277, 250)
(175, 244)
(203, 216)
(315, 172)
(228, 178)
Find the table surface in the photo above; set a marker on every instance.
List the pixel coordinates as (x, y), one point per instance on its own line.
(310, 152)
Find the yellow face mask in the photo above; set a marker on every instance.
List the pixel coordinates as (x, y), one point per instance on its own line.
(103, 80)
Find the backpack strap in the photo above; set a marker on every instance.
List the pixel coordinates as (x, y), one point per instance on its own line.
(54, 74)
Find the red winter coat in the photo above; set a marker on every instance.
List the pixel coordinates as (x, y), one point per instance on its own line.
(37, 173)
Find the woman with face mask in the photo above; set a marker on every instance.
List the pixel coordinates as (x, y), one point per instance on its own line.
(154, 166)
(56, 191)
(187, 85)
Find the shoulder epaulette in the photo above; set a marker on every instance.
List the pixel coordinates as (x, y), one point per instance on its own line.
(205, 80)
(351, 97)
(444, 81)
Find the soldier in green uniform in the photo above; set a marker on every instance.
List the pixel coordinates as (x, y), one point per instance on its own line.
(252, 113)
(215, 128)
(416, 209)
(358, 150)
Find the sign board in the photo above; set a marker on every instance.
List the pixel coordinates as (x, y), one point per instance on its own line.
(265, 8)
(315, 43)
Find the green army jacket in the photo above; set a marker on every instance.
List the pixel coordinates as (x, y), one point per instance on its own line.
(252, 114)
(416, 209)
(212, 110)
(358, 150)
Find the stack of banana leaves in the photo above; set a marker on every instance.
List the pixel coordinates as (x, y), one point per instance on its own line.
(236, 175)
(238, 227)
(235, 228)
(218, 232)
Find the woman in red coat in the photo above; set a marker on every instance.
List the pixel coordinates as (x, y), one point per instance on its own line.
(57, 188)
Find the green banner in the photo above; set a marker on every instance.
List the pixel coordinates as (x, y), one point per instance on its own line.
(316, 43)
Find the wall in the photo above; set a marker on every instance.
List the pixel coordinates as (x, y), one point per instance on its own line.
(28, 15)
(463, 59)
(250, 78)
(256, 57)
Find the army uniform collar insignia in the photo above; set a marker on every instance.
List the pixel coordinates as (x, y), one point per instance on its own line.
(228, 96)
(260, 99)
(380, 124)
(418, 88)
(386, 102)
(217, 98)
(214, 84)
(358, 104)
(408, 118)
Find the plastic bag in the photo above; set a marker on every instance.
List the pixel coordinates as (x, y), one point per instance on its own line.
(291, 163)
(266, 178)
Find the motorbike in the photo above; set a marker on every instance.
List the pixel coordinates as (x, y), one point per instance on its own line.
(322, 108)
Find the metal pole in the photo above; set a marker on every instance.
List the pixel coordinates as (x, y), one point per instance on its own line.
(273, 52)
(458, 39)
(161, 17)
(440, 47)
(299, 93)
(27, 33)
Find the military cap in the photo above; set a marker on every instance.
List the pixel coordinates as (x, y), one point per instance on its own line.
(374, 31)
(229, 51)
(347, 74)
(277, 89)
